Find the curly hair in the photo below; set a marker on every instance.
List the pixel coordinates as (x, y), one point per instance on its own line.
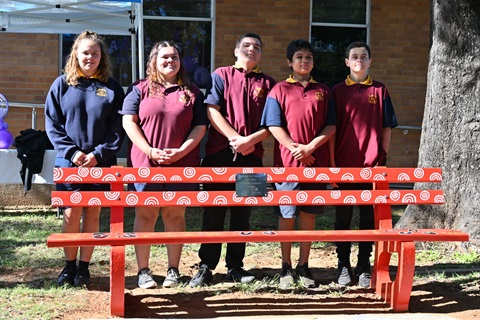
(151, 71)
(72, 66)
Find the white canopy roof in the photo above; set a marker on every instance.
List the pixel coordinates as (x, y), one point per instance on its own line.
(115, 17)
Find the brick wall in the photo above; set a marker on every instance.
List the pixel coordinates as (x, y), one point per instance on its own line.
(28, 65)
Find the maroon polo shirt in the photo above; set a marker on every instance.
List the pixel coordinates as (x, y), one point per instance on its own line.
(166, 117)
(363, 110)
(241, 97)
(302, 112)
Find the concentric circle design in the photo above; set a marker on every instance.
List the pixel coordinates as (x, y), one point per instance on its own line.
(73, 178)
(129, 178)
(424, 195)
(159, 177)
(184, 201)
(205, 177)
(247, 170)
(285, 200)
(94, 202)
(403, 177)
(57, 174)
(111, 195)
(349, 200)
(439, 199)
(168, 195)
(381, 199)
(175, 178)
(278, 170)
(189, 172)
(379, 177)
(219, 171)
(76, 197)
(57, 202)
(335, 194)
(302, 196)
(236, 198)
(152, 201)
(131, 199)
(366, 173)
(418, 173)
(322, 177)
(220, 200)
(109, 177)
(395, 195)
(409, 198)
(83, 172)
(334, 170)
(347, 177)
(268, 197)
(96, 172)
(232, 178)
(436, 177)
(292, 177)
(309, 172)
(251, 201)
(318, 200)
(145, 172)
(366, 195)
(202, 196)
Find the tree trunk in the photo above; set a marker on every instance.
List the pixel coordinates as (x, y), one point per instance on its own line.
(451, 123)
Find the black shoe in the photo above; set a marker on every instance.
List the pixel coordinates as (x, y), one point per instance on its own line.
(66, 276)
(239, 275)
(287, 278)
(82, 278)
(203, 276)
(305, 276)
(363, 276)
(344, 276)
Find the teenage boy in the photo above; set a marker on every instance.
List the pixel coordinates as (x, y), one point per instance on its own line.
(365, 118)
(234, 107)
(298, 115)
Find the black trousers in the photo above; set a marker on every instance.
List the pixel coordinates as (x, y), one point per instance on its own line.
(214, 217)
(343, 220)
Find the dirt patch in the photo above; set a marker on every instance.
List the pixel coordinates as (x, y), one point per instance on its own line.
(459, 299)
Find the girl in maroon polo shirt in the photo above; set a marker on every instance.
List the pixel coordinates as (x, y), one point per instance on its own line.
(165, 119)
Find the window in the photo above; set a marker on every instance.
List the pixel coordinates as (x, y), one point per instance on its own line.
(187, 22)
(335, 24)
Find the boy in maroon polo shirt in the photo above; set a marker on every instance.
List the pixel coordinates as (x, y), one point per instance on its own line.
(298, 115)
(234, 107)
(365, 118)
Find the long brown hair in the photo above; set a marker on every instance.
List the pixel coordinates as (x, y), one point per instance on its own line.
(152, 62)
(72, 66)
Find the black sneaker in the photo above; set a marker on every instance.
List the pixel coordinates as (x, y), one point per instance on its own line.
(239, 275)
(344, 276)
(305, 276)
(203, 276)
(364, 277)
(82, 278)
(66, 276)
(287, 279)
(145, 279)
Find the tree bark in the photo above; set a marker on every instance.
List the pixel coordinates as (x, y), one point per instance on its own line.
(451, 124)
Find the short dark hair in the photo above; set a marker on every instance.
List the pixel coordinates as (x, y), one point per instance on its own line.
(357, 44)
(297, 45)
(248, 35)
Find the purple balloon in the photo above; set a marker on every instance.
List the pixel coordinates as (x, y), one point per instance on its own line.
(6, 139)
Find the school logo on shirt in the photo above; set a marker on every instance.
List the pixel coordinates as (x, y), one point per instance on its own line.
(186, 96)
(101, 92)
(372, 99)
(319, 96)
(258, 92)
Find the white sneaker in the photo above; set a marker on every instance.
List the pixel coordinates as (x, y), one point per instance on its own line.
(145, 279)
(172, 279)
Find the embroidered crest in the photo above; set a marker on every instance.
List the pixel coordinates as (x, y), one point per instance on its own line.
(372, 99)
(319, 96)
(101, 92)
(186, 97)
(258, 93)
